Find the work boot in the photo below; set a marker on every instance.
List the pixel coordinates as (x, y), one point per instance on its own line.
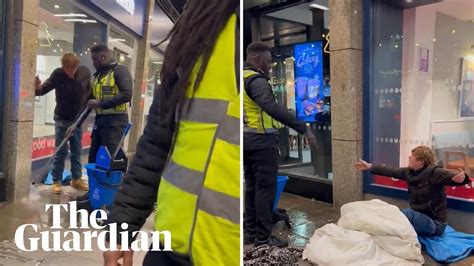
(273, 241)
(56, 189)
(79, 184)
(248, 239)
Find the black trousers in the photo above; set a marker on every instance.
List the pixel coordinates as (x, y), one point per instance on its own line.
(261, 169)
(108, 136)
(165, 258)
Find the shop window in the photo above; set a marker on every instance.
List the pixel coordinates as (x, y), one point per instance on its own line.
(122, 46)
(300, 79)
(62, 27)
(420, 87)
(155, 62)
(2, 82)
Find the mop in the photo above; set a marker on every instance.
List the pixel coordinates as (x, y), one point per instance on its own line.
(43, 172)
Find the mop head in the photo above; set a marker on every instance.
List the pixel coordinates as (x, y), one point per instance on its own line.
(270, 255)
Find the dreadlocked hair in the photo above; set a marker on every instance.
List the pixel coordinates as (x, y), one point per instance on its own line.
(192, 40)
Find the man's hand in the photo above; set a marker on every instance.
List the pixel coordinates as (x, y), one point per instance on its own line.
(70, 130)
(111, 258)
(92, 103)
(311, 137)
(37, 83)
(362, 165)
(459, 178)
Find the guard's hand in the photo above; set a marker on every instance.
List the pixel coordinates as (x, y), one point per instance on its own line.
(311, 137)
(362, 165)
(111, 258)
(459, 177)
(70, 130)
(92, 103)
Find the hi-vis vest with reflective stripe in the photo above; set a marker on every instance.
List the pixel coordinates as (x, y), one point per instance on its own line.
(106, 88)
(199, 194)
(255, 119)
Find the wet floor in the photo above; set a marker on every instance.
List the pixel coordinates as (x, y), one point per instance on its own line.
(32, 211)
(307, 215)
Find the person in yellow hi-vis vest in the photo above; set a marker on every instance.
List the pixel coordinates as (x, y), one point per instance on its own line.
(261, 116)
(188, 158)
(111, 93)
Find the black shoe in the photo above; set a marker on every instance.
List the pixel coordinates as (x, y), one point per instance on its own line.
(248, 239)
(273, 241)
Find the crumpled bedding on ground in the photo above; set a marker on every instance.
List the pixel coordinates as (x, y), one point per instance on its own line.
(270, 255)
(368, 233)
(452, 246)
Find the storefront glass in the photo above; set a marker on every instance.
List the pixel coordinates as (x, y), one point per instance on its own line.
(300, 78)
(155, 62)
(122, 46)
(2, 81)
(420, 86)
(63, 27)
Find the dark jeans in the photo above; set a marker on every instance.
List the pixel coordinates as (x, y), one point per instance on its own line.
(164, 258)
(75, 147)
(261, 168)
(423, 224)
(108, 136)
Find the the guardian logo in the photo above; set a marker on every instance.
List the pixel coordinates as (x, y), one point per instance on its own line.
(58, 239)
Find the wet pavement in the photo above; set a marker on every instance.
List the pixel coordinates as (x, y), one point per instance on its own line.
(32, 211)
(307, 215)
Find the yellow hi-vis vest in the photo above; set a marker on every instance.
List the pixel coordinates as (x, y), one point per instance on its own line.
(255, 119)
(199, 194)
(105, 88)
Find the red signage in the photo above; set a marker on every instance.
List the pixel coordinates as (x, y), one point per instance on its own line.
(43, 147)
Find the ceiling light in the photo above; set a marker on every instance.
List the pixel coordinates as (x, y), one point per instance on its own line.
(71, 15)
(453, 31)
(158, 63)
(56, 6)
(409, 1)
(319, 7)
(116, 40)
(80, 20)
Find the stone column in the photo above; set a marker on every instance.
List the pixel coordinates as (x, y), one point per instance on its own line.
(345, 24)
(22, 38)
(140, 84)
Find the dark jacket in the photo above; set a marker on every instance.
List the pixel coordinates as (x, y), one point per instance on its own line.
(71, 94)
(135, 199)
(124, 81)
(425, 187)
(260, 91)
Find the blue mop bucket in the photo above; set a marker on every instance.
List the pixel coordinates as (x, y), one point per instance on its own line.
(281, 183)
(102, 185)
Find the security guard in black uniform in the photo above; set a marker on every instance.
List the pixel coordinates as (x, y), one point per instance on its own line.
(112, 92)
(261, 116)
